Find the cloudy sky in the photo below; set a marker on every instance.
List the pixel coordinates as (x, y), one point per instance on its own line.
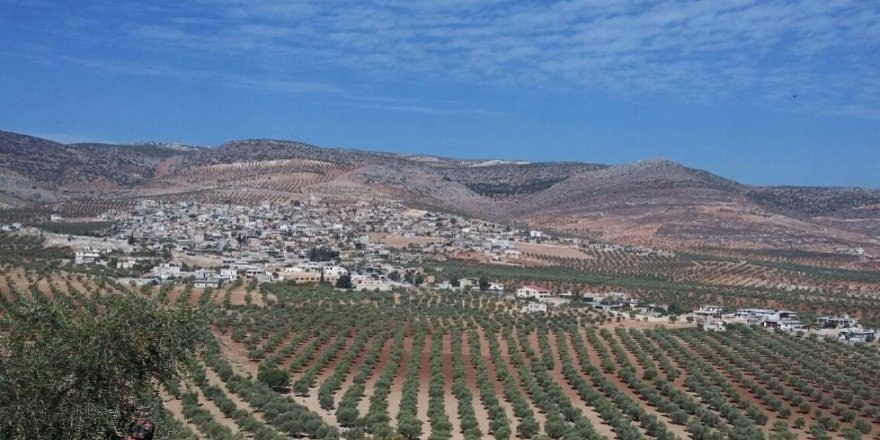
(766, 92)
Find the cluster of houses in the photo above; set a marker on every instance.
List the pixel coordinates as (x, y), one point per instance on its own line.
(281, 232)
(215, 244)
(468, 283)
(274, 236)
(844, 328)
(606, 302)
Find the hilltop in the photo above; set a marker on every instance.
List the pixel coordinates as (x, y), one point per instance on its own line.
(651, 202)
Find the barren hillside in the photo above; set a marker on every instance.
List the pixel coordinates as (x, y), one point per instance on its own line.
(653, 202)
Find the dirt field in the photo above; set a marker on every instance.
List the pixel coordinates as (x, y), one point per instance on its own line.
(399, 242)
(551, 250)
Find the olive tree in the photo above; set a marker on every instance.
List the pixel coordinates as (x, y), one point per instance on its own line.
(83, 373)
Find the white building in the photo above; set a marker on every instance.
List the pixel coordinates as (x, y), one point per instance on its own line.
(86, 257)
(212, 282)
(260, 274)
(856, 335)
(754, 315)
(167, 270)
(10, 227)
(125, 263)
(529, 291)
(785, 324)
(443, 285)
(713, 325)
(302, 274)
(708, 311)
(229, 274)
(534, 307)
(361, 282)
(332, 273)
(496, 287)
(835, 321)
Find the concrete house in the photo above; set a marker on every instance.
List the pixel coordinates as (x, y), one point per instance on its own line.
(534, 307)
(529, 291)
(784, 324)
(86, 257)
(496, 287)
(856, 335)
(332, 273)
(835, 321)
(212, 282)
(708, 311)
(301, 275)
(754, 315)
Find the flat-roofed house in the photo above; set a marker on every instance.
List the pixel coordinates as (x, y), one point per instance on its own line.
(86, 257)
(856, 335)
(534, 307)
(754, 315)
(708, 311)
(784, 324)
(835, 321)
(529, 291)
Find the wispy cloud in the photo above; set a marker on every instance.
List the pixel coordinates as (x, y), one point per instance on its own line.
(218, 77)
(826, 50)
(432, 110)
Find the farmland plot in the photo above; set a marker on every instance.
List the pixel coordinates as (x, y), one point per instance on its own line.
(461, 366)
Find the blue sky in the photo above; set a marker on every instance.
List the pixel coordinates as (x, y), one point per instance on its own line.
(765, 92)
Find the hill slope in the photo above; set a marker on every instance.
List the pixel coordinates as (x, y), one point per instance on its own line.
(653, 202)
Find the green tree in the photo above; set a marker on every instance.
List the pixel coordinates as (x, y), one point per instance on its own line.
(781, 432)
(484, 283)
(528, 428)
(344, 282)
(347, 416)
(852, 434)
(85, 373)
(273, 377)
(410, 427)
(818, 432)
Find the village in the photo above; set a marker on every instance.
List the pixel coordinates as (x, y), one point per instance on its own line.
(369, 246)
(366, 247)
(844, 328)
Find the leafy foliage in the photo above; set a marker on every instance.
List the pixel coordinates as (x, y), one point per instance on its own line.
(273, 377)
(84, 373)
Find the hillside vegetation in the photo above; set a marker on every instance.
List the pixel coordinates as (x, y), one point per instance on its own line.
(301, 361)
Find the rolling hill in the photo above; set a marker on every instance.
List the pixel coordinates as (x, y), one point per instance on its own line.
(651, 202)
